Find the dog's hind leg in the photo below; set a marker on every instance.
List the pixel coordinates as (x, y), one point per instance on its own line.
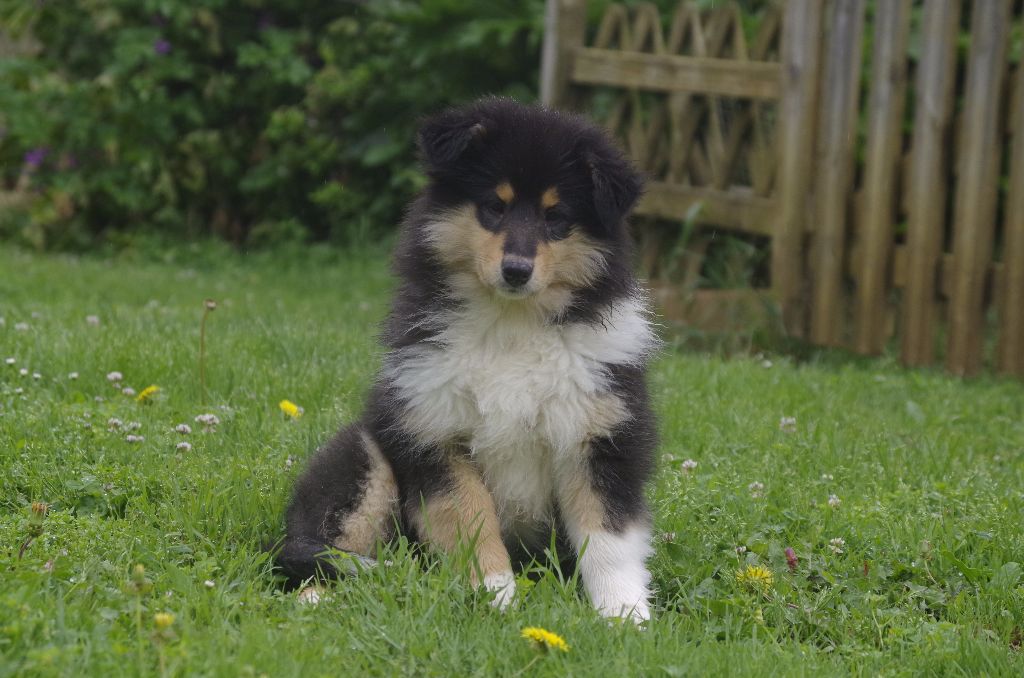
(346, 500)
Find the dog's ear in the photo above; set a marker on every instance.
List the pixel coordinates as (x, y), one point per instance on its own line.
(616, 184)
(444, 138)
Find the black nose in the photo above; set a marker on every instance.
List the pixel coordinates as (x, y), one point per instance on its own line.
(516, 270)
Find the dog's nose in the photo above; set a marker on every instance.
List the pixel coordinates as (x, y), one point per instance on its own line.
(516, 270)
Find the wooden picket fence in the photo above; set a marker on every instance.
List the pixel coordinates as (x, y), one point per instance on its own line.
(878, 229)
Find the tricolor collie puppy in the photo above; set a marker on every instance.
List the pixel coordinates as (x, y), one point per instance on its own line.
(512, 399)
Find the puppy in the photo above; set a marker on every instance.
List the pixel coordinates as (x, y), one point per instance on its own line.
(512, 398)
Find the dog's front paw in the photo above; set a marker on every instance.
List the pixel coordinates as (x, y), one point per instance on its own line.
(311, 595)
(503, 586)
(637, 613)
(623, 599)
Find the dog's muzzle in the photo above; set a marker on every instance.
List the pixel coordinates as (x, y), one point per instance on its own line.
(516, 270)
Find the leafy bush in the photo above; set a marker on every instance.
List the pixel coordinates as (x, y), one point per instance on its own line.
(260, 121)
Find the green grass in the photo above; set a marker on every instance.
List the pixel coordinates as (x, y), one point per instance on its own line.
(929, 471)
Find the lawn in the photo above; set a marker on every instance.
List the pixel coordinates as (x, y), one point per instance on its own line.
(900, 493)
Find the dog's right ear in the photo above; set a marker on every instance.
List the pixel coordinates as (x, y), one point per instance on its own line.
(444, 138)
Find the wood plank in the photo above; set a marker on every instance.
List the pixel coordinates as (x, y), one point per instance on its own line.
(881, 171)
(738, 209)
(995, 274)
(716, 311)
(565, 23)
(974, 211)
(928, 178)
(672, 73)
(801, 36)
(835, 157)
(1010, 350)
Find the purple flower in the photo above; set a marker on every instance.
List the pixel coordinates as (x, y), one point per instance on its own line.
(35, 157)
(162, 46)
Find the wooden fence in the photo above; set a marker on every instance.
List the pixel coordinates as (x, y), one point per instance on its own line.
(891, 211)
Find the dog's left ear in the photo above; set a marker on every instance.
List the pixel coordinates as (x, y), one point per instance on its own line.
(617, 186)
(444, 138)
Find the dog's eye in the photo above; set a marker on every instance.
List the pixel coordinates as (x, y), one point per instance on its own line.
(557, 223)
(493, 206)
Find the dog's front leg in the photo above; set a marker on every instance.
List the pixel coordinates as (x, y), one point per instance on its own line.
(461, 511)
(603, 509)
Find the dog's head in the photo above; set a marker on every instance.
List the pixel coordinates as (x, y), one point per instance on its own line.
(529, 203)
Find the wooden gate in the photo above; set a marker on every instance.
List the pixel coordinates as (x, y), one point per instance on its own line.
(874, 230)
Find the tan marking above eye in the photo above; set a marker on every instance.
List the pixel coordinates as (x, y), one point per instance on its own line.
(505, 192)
(550, 198)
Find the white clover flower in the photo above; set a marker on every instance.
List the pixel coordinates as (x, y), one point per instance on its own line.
(19, 391)
(114, 423)
(72, 375)
(740, 550)
(10, 361)
(289, 462)
(183, 429)
(23, 372)
(131, 438)
(836, 544)
(209, 584)
(184, 446)
(787, 424)
(766, 364)
(37, 376)
(209, 421)
(128, 391)
(114, 376)
(689, 465)
(668, 536)
(834, 501)
(132, 426)
(21, 327)
(3, 321)
(756, 489)
(827, 476)
(92, 320)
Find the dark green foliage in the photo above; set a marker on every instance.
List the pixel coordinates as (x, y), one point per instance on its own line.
(256, 120)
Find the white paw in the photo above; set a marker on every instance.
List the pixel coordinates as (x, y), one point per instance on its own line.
(310, 595)
(612, 566)
(637, 613)
(503, 586)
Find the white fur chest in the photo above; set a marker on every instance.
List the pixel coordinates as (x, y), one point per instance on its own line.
(523, 396)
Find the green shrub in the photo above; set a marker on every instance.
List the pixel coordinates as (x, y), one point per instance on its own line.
(259, 121)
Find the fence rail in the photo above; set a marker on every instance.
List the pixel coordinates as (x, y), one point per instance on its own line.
(881, 226)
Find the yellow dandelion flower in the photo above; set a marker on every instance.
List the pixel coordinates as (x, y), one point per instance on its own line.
(163, 620)
(147, 394)
(756, 577)
(291, 409)
(545, 639)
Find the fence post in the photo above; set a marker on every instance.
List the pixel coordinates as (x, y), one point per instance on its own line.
(837, 135)
(801, 39)
(1011, 315)
(565, 23)
(881, 171)
(974, 212)
(926, 204)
